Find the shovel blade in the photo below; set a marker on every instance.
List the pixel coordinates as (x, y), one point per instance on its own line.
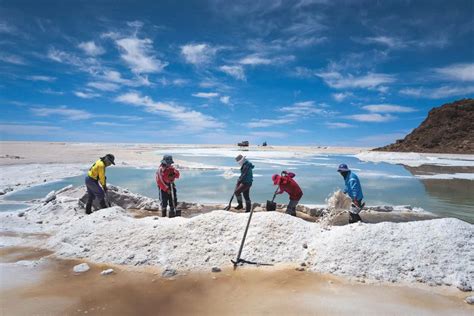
(271, 206)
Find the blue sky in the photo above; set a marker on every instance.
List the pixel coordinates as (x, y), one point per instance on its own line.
(306, 72)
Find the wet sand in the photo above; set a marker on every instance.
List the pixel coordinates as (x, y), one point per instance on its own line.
(54, 289)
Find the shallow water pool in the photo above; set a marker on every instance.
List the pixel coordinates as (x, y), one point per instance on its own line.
(382, 183)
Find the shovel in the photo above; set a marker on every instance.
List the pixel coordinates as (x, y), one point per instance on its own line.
(271, 205)
(228, 207)
(176, 211)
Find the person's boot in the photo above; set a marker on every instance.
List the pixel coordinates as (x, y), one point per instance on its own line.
(102, 204)
(291, 212)
(163, 212)
(248, 207)
(171, 213)
(89, 207)
(240, 205)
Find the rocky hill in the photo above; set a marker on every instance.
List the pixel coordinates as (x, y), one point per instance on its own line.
(447, 129)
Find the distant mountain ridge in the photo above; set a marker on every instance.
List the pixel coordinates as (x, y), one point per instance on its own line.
(447, 129)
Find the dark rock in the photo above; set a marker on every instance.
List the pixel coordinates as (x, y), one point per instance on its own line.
(169, 273)
(447, 129)
(216, 269)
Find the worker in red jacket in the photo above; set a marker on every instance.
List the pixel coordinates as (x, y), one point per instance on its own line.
(165, 177)
(287, 184)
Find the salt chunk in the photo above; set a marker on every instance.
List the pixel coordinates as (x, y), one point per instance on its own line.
(80, 268)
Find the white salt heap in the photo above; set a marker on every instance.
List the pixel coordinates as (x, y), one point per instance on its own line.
(437, 251)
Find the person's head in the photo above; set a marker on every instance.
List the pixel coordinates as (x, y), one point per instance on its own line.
(240, 159)
(108, 160)
(343, 170)
(167, 160)
(276, 179)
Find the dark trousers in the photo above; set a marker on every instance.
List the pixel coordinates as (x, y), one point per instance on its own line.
(291, 208)
(354, 218)
(244, 189)
(166, 199)
(94, 191)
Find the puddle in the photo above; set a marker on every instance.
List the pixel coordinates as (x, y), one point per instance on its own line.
(54, 289)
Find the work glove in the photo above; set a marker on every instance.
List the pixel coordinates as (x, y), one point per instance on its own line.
(355, 202)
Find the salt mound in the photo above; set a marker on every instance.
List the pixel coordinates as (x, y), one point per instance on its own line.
(125, 199)
(437, 251)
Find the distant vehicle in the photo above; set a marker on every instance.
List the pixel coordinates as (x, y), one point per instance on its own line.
(244, 143)
(264, 144)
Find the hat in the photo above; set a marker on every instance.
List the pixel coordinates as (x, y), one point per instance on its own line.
(276, 179)
(343, 168)
(167, 159)
(110, 158)
(239, 158)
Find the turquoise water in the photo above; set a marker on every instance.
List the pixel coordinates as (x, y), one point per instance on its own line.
(382, 183)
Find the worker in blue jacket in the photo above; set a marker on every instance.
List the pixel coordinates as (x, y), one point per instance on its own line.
(354, 190)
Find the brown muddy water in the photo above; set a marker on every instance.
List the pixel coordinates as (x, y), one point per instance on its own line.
(52, 288)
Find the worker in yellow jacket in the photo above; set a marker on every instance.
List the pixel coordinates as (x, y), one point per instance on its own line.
(96, 175)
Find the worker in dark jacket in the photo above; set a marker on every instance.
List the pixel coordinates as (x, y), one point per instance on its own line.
(287, 184)
(165, 177)
(244, 183)
(354, 190)
(96, 175)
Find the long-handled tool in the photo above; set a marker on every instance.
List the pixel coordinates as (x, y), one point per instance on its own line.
(228, 207)
(107, 200)
(271, 205)
(239, 260)
(176, 211)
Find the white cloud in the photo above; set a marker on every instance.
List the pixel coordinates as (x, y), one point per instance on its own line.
(225, 99)
(137, 53)
(303, 109)
(339, 125)
(111, 124)
(206, 95)
(41, 78)
(68, 113)
(198, 54)
(50, 91)
(459, 72)
(91, 49)
(438, 93)
(374, 117)
(89, 64)
(388, 108)
(7, 28)
(20, 129)
(104, 86)
(255, 60)
(86, 95)
(336, 80)
(391, 42)
(339, 97)
(175, 82)
(235, 71)
(189, 120)
(255, 123)
(12, 59)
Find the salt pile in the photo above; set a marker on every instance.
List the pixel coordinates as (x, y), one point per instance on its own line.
(437, 251)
